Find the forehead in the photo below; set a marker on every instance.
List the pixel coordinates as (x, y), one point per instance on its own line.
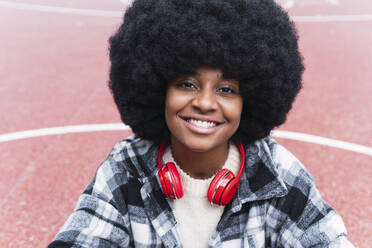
(205, 73)
(208, 72)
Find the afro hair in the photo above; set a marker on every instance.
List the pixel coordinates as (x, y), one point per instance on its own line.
(251, 41)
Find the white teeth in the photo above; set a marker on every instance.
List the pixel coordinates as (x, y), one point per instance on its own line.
(204, 124)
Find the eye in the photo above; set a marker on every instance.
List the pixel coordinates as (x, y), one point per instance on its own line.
(186, 85)
(227, 90)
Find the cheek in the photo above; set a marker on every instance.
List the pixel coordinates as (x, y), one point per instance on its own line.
(173, 105)
(170, 103)
(233, 111)
(168, 108)
(175, 101)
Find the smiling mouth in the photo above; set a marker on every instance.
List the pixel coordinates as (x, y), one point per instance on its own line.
(200, 123)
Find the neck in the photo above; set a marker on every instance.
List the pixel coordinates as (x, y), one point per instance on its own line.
(199, 165)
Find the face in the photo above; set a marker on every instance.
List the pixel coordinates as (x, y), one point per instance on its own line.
(203, 111)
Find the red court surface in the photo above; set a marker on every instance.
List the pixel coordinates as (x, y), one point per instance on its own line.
(54, 71)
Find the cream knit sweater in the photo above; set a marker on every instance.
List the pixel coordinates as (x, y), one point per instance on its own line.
(196, 218)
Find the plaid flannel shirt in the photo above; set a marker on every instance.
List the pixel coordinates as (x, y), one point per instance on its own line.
(276, 205)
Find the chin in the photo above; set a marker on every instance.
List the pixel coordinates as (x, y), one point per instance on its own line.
(200, 145)
(200, 149)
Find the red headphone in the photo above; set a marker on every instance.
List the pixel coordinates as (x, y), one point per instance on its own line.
(221, 190)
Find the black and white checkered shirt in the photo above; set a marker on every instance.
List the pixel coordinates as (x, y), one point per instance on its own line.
(276, 205)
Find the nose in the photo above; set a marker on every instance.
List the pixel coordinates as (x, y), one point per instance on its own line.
(205, 101)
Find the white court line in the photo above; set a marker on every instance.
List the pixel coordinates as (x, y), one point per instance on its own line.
(291, 3)
(106, 13)
(62, 130)
(119, 126)
(288, 5)
(322, 141)
(63, 10)
(334, 2)
(333, 18)
(126, 2)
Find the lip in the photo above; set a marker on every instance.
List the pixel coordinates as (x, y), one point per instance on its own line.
(198, 129)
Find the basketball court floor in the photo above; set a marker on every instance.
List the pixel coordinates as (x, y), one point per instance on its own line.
(58, 121)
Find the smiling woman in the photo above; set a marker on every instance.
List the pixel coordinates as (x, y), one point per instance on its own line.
(202, 84)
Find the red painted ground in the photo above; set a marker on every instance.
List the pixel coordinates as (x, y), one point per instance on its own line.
(53, 72)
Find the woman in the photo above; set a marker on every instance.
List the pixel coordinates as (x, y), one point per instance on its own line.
(202, 83)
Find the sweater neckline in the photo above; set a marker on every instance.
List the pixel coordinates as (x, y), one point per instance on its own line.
(198, 187)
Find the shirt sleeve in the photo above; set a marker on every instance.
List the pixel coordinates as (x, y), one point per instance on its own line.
(302, 218)
(100, 218)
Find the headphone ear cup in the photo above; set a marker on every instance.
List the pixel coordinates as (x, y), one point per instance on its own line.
(170, 181)
(161, 173)
(217, 189)
(229, 192)
(176, 179)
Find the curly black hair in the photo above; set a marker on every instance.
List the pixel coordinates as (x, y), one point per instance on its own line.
(252, 41)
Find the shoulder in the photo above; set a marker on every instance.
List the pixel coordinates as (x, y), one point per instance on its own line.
(304, 217)
(127, 162)
(290, 169)
(129, 148)
(297, 179)
(303, 202)
(130, 156)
